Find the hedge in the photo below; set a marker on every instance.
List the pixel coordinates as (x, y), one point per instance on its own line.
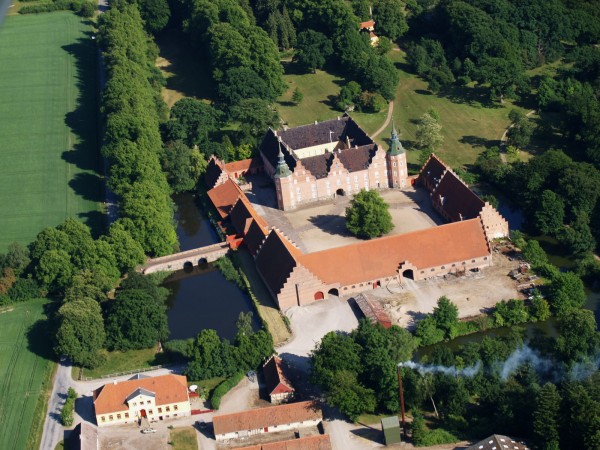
(79, 6)
(224, 388)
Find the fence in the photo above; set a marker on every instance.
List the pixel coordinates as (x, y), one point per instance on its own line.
(120, 374)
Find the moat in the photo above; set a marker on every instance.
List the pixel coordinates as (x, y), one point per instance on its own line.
(201, 298)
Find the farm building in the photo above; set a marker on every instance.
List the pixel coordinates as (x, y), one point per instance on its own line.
(499, 442)
(153, 398)
(266, 420)
(278, 386)
(317, 442)
(391, 430)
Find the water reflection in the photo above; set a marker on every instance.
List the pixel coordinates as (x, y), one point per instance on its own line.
(193, 229)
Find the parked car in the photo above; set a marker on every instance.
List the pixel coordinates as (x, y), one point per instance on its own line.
(148, 430)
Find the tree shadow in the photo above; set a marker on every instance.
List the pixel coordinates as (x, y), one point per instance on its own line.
(96, 220)
(405, 67)
(423, 92)
(415, 316)
(476, 96)
(286, 103)
(477, 141)
(190, 70)
(83, 124)
(39, 340)
(331, 101)
(330, 223)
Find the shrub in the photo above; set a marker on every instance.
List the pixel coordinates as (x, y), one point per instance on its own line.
(24, 289)
(66, 415)
(224, 388)
(229, 271)
(87, 9)
(372, 102)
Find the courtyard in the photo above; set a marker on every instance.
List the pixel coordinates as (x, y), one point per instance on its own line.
(322, 225)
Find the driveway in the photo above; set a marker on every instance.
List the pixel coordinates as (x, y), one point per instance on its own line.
(53, 430)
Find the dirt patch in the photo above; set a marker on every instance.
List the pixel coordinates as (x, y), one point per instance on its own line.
(474, 293)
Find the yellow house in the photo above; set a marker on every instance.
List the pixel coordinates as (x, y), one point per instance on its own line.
(153, 398)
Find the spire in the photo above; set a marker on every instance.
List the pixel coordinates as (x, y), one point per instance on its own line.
(395, 144)
(282, 169)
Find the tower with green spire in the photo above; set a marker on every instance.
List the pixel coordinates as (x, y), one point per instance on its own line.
(396, 162)
(284, 183)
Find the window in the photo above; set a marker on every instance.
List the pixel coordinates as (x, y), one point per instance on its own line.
(453, 265)
(422, 271)
(174, 415)
(127, 415)
(463, 263)
(472, 260)
(103, 418)
(175, 407)
(118, 416)
(443, 267)
(168, 408)
(150, 412)
(485, 258)
(110, 417)
(147, 402)
(133, 403)
(432, 270)
(159, 410)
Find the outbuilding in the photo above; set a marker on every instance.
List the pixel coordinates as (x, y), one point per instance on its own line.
(391, 430)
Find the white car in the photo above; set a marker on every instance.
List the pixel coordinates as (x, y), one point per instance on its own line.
(148, 430)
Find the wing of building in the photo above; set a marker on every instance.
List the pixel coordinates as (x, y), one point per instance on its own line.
(155, 398)
(279, 387)
(317, 442)
(267, 420)
(499, 442)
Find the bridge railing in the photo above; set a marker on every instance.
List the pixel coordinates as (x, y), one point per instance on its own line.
(194, 251)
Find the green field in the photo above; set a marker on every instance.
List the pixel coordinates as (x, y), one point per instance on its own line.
(48, 125)
(24, 374)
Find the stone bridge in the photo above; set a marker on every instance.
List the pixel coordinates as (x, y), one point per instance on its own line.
(178, 261)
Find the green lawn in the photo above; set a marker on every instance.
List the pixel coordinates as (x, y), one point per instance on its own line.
(183, 439)
(25, 374)
(470, 122)
(116, 362)
(48, 125)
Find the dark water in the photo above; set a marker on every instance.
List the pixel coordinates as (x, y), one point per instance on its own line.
(201, 298)
(193, 229)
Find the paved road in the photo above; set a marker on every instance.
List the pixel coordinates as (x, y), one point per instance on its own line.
(53, 430)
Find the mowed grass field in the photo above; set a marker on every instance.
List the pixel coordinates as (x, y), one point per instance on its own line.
(24, 374)
(48, 125)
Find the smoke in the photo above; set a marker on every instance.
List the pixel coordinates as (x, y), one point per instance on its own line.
(452, 370)
(583, 370)
(524, 355)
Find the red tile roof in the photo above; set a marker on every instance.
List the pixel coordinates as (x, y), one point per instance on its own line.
(242, 214)
(243, 165)
(259, 418)
(367, 24)
(254, 237)
(224, 196)
(317, 442)
(382, 257)
(214, 169)
(276, 260)
(432, 171)
(459, 202)
(276, 381)
(166, 388)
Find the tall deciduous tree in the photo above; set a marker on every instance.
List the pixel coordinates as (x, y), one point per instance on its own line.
(368, 216)
(389, 18)
(80, 333)
(429, 132)
(550, 216)
(135, 320)
(578, 335)
(312, 50)
(183, 164)
(445, 315)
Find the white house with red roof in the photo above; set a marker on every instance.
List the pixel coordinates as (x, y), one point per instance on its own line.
(278, 386)
(154, 398)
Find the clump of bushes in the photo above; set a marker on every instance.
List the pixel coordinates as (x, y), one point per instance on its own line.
(229, 271)
(66, 415)
(85, 8)
(224, 388)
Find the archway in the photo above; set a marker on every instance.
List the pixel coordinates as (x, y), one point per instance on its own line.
(408, 273)
(340, 192)
(319, 295)
(376, 284)
(202, 262)
(334, 291)
(188, 266)
(142, 413)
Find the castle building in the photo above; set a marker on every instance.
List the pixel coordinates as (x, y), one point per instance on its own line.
(322, 160)
(337, 157)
